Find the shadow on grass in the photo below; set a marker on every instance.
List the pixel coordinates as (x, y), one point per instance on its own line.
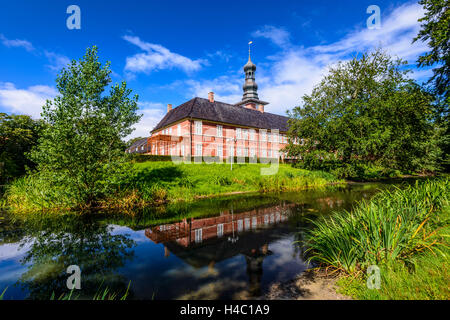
(157, 175)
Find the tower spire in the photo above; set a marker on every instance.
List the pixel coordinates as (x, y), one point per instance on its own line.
(250, 97)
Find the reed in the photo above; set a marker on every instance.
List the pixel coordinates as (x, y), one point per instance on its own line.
(395, 225)
(3, 293)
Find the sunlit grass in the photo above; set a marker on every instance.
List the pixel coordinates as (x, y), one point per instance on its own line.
(161, 182)
(393, 226)
(3, 293)
(167, 181)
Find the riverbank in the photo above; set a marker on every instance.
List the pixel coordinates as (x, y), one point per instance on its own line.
(403, 232)
(157, 183)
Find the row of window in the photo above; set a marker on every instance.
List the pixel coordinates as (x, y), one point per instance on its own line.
(243, 223)
(240, 152)
(246, 134)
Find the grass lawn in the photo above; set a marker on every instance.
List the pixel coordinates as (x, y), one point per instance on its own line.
(173, 182)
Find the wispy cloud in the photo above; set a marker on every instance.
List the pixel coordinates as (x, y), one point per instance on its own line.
(25, 101)
(294, 70)
(156, 57)
(152, 113)
(277, 35)
(16, 43)
(57, 61)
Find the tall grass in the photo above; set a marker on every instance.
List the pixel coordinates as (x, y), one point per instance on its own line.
(166, 181)
(393, 226)
(160, 182)
(3, 294)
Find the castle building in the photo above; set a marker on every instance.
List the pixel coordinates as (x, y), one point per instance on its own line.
(206, 127)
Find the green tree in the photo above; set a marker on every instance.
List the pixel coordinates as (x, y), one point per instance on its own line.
(18, 134)
(365, 111)
(82, 147)
(435, 29)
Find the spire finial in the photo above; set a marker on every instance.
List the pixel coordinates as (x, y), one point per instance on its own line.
(249, 49)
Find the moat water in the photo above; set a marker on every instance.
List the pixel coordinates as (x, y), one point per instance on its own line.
(225, 248)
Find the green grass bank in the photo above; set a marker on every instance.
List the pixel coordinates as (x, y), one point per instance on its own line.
(165, 182)
(404, 232)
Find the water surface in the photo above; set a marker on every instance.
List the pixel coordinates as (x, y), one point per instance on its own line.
(226, 248)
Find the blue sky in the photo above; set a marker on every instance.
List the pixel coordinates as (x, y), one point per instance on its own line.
(172, 51)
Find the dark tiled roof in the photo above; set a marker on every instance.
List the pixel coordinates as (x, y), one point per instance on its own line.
(200, 108)
(137, 144)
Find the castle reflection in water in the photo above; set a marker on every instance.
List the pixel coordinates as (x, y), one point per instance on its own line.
(205, 241)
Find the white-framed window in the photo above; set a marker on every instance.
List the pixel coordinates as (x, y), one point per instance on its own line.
(274, 137)
(220, 151)
(245, 134)
(170, 130)
(269, 137)
(252, 152)
(198, 127)
(230, 151)
(240, 225)
(162, 151)
(182, 149)
(252, 134)
(238, 133)
(219, 130)
(266, 219)
(220, 230)
(179, 130)
(272, 218)
(270, 153)
(198, 149)
(245, 152)
(239, 151)
(263, 134)
(254, 222)
(247, 223)
(198, 235)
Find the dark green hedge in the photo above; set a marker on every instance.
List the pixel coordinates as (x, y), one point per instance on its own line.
(147, 157)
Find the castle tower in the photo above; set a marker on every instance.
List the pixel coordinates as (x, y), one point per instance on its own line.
(250, 97)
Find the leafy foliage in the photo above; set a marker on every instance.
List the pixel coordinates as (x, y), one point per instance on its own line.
(81, 150)
(436, 31)
(18, 134)
(366, 111)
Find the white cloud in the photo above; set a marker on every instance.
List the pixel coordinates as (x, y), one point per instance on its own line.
(277, 35)
(293, 71)
(152, 113)
(25, 101)
(57, 61)
(16, 43)
(157, 57)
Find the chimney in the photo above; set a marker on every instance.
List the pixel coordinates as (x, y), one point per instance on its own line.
(261, 108)
(211, 97)
(169, 107)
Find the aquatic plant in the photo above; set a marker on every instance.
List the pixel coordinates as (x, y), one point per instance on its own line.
(393, 226)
